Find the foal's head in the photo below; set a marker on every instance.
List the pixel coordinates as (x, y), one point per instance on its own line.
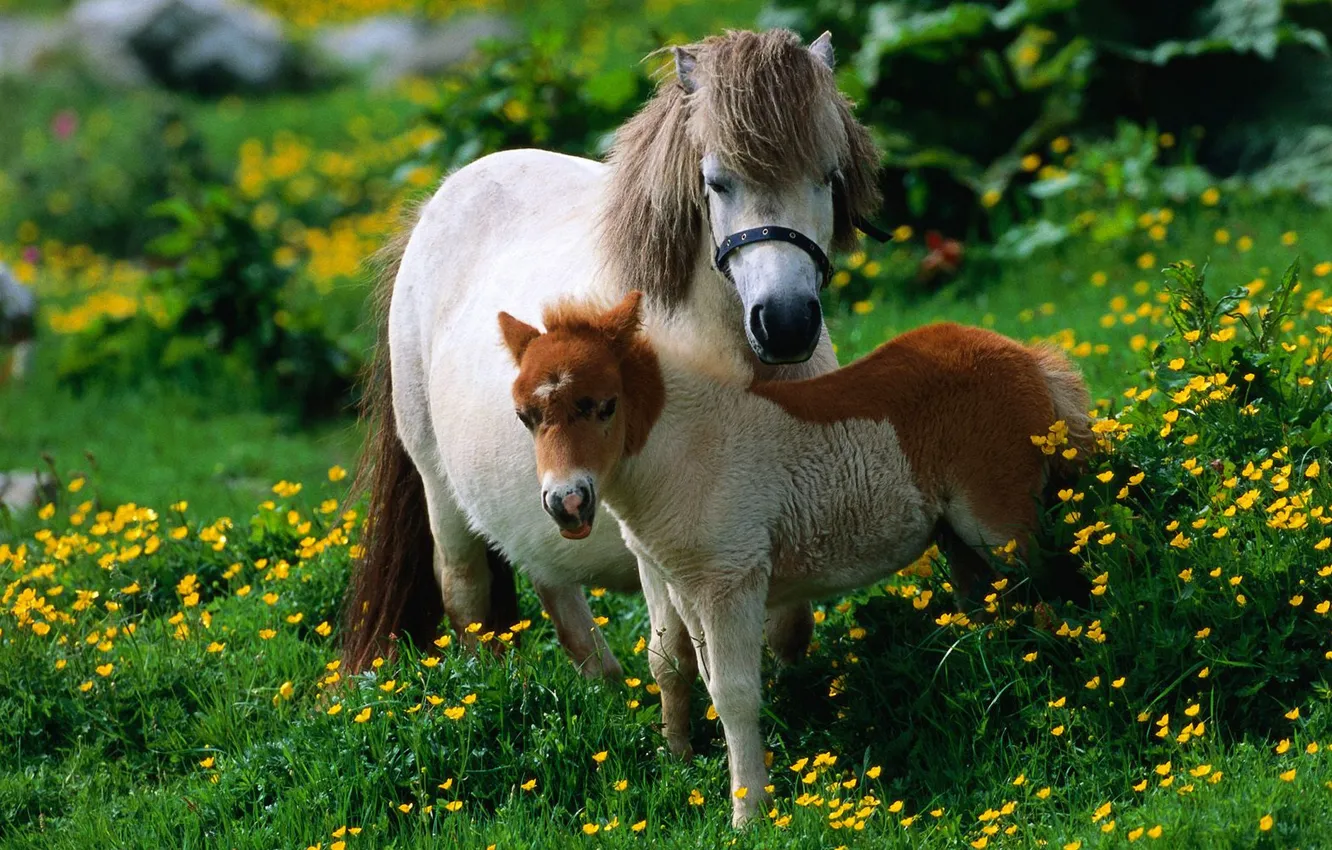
(588, 389)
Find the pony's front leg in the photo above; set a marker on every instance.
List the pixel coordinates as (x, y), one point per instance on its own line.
(731, 619)
(671, 657)
(578, 632)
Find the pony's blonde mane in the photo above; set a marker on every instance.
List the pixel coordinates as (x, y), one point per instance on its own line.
(770, 110)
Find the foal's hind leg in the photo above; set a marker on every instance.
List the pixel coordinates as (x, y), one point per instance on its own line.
(789, 630)
(969, 571)
(578, 632)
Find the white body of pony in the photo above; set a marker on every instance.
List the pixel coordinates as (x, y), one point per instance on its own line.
(514, 230)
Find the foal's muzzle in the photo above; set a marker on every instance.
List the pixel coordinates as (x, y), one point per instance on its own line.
(573, 506)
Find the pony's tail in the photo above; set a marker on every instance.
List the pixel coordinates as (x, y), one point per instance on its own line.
(392, 591)
(1071, 401)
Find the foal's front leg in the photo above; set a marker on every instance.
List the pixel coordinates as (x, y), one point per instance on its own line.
(671, 657)
(731, 618)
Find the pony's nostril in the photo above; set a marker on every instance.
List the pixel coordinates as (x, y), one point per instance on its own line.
(756, 323)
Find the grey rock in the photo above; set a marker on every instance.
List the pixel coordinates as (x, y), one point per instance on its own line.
(207, 46)
(23, 491)
(389, 48)
(27, 43)
(18, 309)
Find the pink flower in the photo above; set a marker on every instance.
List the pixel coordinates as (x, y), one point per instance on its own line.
(64, 124)
(32, 255)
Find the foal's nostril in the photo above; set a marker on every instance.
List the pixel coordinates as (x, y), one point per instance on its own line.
(573, 501)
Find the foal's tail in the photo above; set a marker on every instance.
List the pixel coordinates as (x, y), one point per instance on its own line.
(1071, 401)
(392, 589)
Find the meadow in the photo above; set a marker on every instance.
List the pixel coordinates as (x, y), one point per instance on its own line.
(170, 624)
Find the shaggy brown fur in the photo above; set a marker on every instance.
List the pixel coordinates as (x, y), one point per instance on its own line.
(771, 111)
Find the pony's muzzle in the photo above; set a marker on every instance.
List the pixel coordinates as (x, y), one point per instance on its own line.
(785, 330)
(573, 506)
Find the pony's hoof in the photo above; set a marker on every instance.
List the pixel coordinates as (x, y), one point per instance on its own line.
(682, 750)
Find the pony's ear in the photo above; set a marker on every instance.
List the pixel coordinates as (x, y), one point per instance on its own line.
(517, 336)
(685, 64)
(823, 50)
(623, 320)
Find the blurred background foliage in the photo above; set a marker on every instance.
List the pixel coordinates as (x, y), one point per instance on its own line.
(171, 227)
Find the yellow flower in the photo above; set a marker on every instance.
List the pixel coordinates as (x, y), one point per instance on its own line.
(455, 712)
(1288, 776)
(105, 670)
(208, 762)
(695, 798)
(873, 772)
(1211, 196)
(336, 473)
(362, 715)
(600, 757)
(335, 708)
(622, 785)
(453, 806)
(1265, 823)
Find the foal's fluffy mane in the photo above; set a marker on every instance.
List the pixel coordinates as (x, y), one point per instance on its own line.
(679, 346)
(770, 110)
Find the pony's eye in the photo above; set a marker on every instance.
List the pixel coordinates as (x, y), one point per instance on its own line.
(584, 407)
(529, 420)
(607, 410)
(718, 187)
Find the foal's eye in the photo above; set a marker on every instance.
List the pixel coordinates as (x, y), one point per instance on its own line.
(584, 407)
(529, 420)
(607, 410)
(718, 187)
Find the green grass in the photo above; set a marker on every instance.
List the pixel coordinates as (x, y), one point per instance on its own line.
(158, 444)
(952, 716)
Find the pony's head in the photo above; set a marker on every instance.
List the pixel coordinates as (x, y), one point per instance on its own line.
(588, 390)
(749, 133)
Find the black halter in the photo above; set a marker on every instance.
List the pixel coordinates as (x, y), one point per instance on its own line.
(769, 232)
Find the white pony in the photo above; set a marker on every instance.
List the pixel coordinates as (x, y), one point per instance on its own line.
(740, 496)
(749, 139)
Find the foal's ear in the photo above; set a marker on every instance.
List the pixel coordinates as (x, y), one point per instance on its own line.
(624, 319)
(517, 336)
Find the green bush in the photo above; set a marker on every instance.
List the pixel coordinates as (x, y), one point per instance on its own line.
(222, 307)
(534, 94)
(961, 92)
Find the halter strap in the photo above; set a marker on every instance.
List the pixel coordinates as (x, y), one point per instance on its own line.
(769, 232)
